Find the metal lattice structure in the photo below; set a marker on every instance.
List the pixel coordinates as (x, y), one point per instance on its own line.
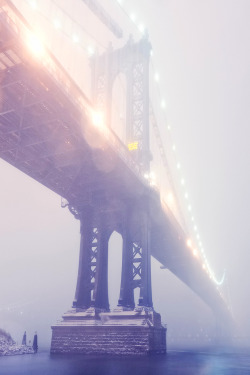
(137, 263)
(133, 61)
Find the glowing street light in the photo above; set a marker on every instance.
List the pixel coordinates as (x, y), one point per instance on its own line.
(90, 51)
(163, 104)
(57, 24)
(141, 28)
(170, 200)
(195, 252)
(75, 38)
(98, 119)
(33, 4)
(157, 77)
(35, 45)
(133, 17)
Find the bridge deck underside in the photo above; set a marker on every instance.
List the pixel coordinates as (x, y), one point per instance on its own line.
(46, 135)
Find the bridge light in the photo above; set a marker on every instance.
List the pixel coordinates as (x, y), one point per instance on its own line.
(35, 45)
(57, 24)
(163, 104)
(152, 175)
(98, 119)
(141, 28)
(75, 38)
(195, 252)
(186, 195)
(174, 148)
(152, 178)
(133, 17)
(170, 199)
(33, 4)
(178, 165)
(157, 77)
(189, 207)
(189, 243)
(90, 51)
(133, 146)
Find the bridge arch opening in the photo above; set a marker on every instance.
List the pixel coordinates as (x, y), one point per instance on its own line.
(119, 106)
(136, 295)
(114, 268)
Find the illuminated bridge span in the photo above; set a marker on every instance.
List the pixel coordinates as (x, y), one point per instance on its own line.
(53, 133)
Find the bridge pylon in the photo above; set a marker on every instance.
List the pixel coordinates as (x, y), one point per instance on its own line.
(92, 281)
(133, 327)
(136, 262)
(96, 227)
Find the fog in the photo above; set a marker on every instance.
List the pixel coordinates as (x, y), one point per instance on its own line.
(201, 53)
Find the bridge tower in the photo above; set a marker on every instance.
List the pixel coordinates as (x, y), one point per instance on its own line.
(90, 327)
(133, 61)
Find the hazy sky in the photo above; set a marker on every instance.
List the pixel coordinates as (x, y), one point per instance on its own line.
(201, 53)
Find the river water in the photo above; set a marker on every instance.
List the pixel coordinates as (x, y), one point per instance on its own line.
(174, 363)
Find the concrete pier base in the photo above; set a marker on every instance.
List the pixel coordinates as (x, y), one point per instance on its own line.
(136, 332)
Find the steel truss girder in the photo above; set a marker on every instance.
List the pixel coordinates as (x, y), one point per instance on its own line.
(137, 264)
(93, 257)
(136, 269)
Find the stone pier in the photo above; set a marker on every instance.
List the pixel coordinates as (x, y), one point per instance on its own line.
(136, 332)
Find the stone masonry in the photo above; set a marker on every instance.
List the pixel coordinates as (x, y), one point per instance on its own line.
(136, 332)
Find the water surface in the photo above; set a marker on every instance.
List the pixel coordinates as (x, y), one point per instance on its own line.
(174, 363)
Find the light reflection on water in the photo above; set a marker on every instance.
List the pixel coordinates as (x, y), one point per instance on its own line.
(174, 363)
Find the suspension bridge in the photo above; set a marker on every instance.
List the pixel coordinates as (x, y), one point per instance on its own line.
(51, 130)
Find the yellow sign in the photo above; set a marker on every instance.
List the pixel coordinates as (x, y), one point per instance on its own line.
(133, 146)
